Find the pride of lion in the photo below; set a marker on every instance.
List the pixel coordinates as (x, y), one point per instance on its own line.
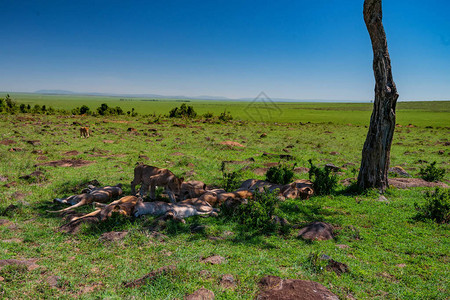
(187, 198)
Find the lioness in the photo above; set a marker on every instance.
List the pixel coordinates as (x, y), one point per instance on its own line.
(150, 177)
(90, 195)
(192, 189)
(84, 132)
(218, 197)
(298, 189)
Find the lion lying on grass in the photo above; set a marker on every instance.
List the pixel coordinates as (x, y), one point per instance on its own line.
(134, 206)
(90, 195)
(150, 177)
(301, 188)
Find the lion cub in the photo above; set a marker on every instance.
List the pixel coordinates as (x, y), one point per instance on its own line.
(84, 132)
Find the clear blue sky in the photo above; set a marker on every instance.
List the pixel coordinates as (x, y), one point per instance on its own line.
(289, 49)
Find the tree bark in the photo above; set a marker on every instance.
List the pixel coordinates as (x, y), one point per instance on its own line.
(377, 147)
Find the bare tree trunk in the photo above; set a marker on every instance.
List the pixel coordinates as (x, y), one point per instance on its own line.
(375, 155)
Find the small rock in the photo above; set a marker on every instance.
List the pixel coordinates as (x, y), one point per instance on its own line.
(227, 281)
(318, 231)
(383, 199)
(332, 167)
(214, 260)
(108, 141)
(399, 171)
(341, 246)
(201, 294)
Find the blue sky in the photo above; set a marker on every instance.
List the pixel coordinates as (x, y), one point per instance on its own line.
(288, 49)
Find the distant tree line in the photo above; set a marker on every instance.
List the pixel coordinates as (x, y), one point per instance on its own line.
(188, 112)
(9, 106)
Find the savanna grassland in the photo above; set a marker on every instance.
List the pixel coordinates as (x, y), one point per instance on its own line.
(390, 255)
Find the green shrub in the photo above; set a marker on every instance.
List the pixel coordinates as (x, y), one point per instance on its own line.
(432, 173)
(184, 111)
(208, 115)
(257, 213)
(280, 174)
(324, 182)
(436, 207)
(225, 116)
(231, 181)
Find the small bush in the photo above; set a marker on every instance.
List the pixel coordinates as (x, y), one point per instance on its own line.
(436, 207)
(280, 174)
(184, 111)
(432, 173)
(257, 213)
(225, 116)
(208, 115)
(324, 182)
(231, 181)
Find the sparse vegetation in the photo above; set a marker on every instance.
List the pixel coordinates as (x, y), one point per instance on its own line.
(436, 207)
(323, 179)
(231, 181)
(184, 111)
(280, 174)
(432, 173)
(257, 214)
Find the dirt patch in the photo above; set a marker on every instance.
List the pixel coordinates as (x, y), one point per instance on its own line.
(232, 144)
(405, 183)
(113, 236)
(177, 154)
(3, 178)
(274, 287)
(7, 142)
(73, 152)
(227, 281)
(108, 141)
(214, 260)
(36, 175)
(34, 142)
(29, 263)
(146, 279)
(201, 294)
(67, 163)
(260, 171)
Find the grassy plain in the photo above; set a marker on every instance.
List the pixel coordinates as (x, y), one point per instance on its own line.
(390, 256)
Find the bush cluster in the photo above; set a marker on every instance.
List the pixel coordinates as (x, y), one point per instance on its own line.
(436, 207)
(184, 111)
(257, 213)
(230, 181)
(9, 106)
(432, 173)
(280, 174)
(324, 181)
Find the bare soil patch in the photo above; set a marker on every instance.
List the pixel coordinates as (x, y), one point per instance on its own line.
(67, 163)
(72, 152)
(7, 142)
(405, 183)
(232, 144)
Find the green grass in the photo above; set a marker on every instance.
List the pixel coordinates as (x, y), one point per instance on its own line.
(389, 254)
(422, 113)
